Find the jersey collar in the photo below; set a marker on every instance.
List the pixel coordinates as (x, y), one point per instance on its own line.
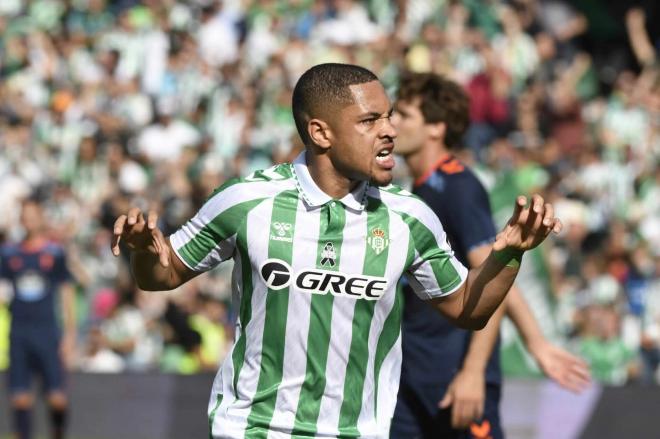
(315, 197)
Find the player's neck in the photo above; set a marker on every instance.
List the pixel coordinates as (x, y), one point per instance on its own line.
(425, 159)
(327, 177)
(33, 241)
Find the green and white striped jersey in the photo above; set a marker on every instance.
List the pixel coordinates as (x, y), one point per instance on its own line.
(317, 350)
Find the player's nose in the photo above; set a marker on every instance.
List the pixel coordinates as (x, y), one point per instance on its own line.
(388, 129)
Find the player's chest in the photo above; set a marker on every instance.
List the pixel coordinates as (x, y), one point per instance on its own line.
(347, 255)
(31, 275)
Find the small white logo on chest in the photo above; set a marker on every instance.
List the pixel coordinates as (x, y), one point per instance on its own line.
(281, 232)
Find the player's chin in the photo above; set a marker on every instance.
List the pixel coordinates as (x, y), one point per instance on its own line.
(381, 177)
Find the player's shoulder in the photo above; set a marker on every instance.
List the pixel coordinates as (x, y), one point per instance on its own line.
(453, 179)
(9, 249)
(53, 248)
(261, 182)
(398, 199)
(456, 170)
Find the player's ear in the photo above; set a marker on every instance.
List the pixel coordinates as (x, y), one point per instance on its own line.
(319, 132)
(437, 130)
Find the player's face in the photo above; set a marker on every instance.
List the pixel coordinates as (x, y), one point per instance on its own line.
(31, 218)
(408, 120)
(363, 136)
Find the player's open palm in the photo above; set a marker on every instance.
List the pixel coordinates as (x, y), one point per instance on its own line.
(529, 225)
(140, 235)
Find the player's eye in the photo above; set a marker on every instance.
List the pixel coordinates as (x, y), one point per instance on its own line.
(368, 122)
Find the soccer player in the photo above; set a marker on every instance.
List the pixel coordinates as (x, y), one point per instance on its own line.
(37, 269)
(450, 380)
(319, 246)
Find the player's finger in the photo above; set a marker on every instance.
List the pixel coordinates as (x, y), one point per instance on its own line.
(446, 401)
(162, 248)
(537, 203)
(152, 219)
(574, 383)
(464, 412)
(467, 414)
(548, 215)
(535, 214)
(521, 201)
(456, 414)
(558, 225)
(479, 412)
(117, 231)
(581, 373)
(133, 215)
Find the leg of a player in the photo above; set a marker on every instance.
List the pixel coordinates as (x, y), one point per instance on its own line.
(58, 404)
(21, 403)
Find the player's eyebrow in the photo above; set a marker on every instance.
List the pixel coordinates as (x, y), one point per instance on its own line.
(376, 115)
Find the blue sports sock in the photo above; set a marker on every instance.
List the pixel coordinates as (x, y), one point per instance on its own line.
(22, 423)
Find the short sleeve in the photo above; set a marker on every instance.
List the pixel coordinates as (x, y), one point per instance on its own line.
(209, 237)
(61, 273)
(434, 271)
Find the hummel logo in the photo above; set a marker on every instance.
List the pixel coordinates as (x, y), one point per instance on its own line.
(282, 232)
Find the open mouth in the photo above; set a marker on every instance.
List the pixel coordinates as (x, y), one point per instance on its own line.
(385, 158)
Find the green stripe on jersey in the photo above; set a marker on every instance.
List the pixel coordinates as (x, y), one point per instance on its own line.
(284, 210)
(245, 307)
(440, 260)
(284, 170)
(387, 339)
(212, 414)
(218, 229)
(333, 220)
(378, 221)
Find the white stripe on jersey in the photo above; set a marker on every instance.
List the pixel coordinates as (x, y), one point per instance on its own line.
(388, 385)
(298, 315)
(238, 412)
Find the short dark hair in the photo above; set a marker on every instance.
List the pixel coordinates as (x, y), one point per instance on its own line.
(440, 100)
(325, 87)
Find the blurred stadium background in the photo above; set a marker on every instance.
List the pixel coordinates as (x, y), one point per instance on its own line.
(104, 104)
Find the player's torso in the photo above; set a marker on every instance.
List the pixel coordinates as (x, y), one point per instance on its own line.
(318, 314)
(33, 276)
(429, 339)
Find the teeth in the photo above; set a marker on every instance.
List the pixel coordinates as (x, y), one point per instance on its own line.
(384, 153)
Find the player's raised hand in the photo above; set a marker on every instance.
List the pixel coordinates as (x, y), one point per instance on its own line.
(529, 225)
(140, 235)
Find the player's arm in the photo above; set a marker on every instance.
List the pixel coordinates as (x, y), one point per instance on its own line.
(639, 37)
(154, 264)
(476, 300)
(566, 369)
(466, 393)
(68, 303)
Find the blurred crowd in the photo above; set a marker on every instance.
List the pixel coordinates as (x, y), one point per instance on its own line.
(106, 104)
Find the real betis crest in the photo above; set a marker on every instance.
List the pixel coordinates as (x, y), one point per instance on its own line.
(378, 241)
